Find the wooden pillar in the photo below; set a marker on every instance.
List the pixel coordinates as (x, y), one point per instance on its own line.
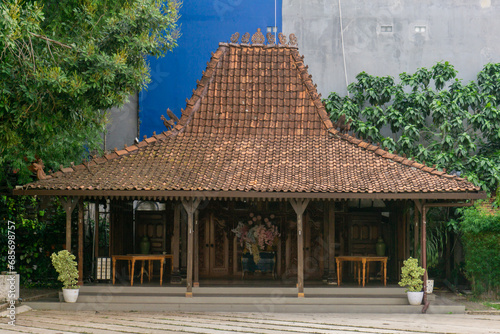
(190, 207)
(326, 251)
(196, 282)
(407, 230)
(424, 255)
(175, 244)
(80, 241)
(299, 205)
(418, 215)
(96, 229)
(68, 204)
(416, 229)
(331, 243)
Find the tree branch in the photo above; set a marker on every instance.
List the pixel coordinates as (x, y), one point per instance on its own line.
(51, 40)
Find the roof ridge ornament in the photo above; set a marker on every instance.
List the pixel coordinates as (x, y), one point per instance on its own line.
(245, 38)
(37, 168)
(235, 37)
(270, 38)
(169, 123)
(282, 39)
(258, 37)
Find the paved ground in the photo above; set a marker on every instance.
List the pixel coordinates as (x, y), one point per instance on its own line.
(138, 322)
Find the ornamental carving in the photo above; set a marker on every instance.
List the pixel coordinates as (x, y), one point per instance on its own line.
(258, 37)
(245, 38)
(235, 37)
(282, 38)
(37, 168)
(270, 38)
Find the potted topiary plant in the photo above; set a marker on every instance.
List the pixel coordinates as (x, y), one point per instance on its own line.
(65, 265)
(411, 278)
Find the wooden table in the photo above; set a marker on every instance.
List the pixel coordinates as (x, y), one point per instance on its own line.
(131, 258)
(364, 261)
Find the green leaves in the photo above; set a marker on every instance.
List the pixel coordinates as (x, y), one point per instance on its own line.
(63, 64)
(431, 116)
(65, 264)
(481, 236)
(411, 275)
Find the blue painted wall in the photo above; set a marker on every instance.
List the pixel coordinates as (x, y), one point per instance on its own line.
(203, 25)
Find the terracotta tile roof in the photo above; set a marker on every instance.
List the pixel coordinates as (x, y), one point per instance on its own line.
(255, 123)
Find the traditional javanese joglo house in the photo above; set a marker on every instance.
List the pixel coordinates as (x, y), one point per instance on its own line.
(255, 187)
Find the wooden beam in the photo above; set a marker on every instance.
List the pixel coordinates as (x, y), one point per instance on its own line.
(252, 194)
(299, 205)
(80, 241)
(69, 205)
(190, 207)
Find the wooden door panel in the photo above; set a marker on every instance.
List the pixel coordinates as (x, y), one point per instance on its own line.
(214, 248)
(204, 246)
(219, 248)
(313, 240)
(153, 225)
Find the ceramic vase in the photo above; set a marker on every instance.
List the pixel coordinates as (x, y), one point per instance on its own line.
(380, 247)
(145, 245)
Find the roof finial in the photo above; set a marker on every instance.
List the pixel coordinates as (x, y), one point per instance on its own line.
(169, 123)
(37, 168)
(245, 38)
(258, 38)
(235, 37)
(293, 40)
(270, 38)
(282, 38)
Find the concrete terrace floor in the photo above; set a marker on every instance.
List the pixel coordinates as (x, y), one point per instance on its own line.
(177, 322)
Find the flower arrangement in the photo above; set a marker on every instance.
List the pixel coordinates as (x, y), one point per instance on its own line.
(257, 235)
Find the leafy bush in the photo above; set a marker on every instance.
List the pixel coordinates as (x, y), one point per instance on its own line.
(481, 237)
(38, 233)
(65, 264)
(411, 275)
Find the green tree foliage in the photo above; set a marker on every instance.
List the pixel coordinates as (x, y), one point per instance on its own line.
(481, 237)
(37, 234)
(63, 64)
(431, 116)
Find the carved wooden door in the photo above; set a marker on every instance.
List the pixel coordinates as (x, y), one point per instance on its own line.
(313, 249)
(153, 225)
(213, 247)
(364, 230)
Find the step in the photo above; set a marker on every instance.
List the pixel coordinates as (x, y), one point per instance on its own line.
(256, 306)
(246, 290)
(240, 300)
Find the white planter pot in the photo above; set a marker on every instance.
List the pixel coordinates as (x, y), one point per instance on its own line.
(415, 298)
(70, 295)
(430, 285)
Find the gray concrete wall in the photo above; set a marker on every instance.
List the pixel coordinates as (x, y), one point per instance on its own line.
(122, 125)
(463, 32)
